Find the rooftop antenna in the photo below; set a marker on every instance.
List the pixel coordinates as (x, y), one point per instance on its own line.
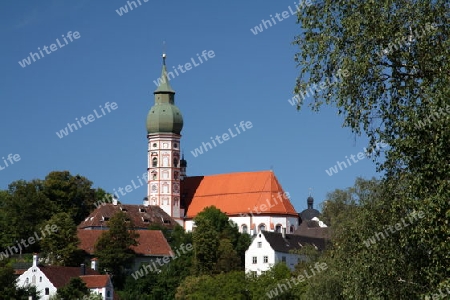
(310, 190)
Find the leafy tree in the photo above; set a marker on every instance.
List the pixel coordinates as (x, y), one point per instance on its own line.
(75, 289)
(395, 55)
(61, 247)
(113, 247)
(25, 207)
(228, 259)
(213, 231)
(70, 194)
(206, 242)
(163, 285)
(277, 282)
(223, 286)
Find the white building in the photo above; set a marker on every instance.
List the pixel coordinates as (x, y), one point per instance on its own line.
(48, 279)
(269, 248)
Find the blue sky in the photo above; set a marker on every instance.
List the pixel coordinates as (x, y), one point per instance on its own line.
(116, 58)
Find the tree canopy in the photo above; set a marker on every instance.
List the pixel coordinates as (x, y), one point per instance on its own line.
(396, 89)
(113, 247)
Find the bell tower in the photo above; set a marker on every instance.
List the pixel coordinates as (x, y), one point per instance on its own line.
(164, 125)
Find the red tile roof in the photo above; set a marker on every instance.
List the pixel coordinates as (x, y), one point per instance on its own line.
(236, 193)
(60, 276)
(150, 242)
(142, 216)
(95, 281)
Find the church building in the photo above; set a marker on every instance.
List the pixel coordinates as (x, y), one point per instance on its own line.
(255, 201)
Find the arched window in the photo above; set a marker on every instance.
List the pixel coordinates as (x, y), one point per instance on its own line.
(154, 175)
(291, 229)
(244, 228)
(278, 228)
(155, 162)
(175, 162)
(165, 188)
(262, 227)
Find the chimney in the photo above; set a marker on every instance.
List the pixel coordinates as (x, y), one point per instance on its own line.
(94, 264)
(114, 200)
(83, 269)
(283, 232)
(146, 202)
(35, 259)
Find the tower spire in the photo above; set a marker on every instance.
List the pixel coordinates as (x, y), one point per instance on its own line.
(164, 86)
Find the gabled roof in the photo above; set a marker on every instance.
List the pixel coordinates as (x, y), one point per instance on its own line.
(312, 229)
(142, 216)
(96, 281)
(236, 193)
(60, 276)
(291, 241)
(150, 242)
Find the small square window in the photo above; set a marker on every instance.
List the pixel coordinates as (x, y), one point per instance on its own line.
(255, 260)
(266, 259)
(259, 244)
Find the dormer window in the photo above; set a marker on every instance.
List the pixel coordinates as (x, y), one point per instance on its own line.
(123, 209)
(142, 210)
(166, 221)
(145, 220)
(105, 218)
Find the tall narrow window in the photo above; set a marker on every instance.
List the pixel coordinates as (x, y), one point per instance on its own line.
(278, 228)
(155, 162)
(175, 162)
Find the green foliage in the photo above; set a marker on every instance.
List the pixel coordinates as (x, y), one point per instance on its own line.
(163, 285)
(61, 247)
(70, 194)
(75, 289)
(223, 286)
(28, 204)
(217, 241)
(113, 247)
(238, 285)
(397, 56)
(25, 207)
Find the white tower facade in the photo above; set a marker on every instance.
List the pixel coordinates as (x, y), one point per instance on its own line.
(164, 125)
(164, 172)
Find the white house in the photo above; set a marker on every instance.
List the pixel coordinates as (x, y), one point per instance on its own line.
(269, 248)
(48, 279)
